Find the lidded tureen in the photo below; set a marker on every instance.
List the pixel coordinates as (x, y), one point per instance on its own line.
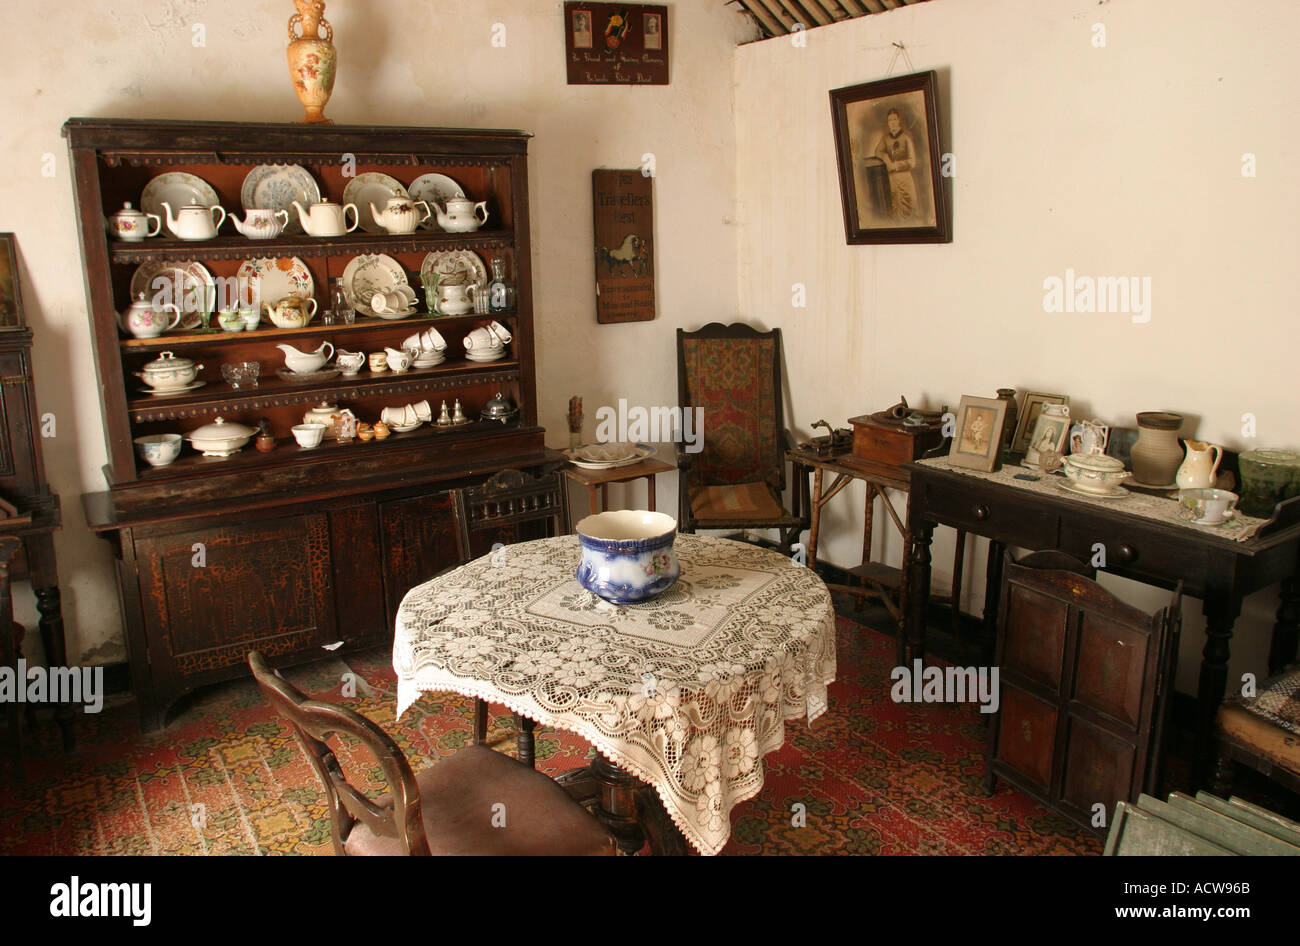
(169, 373)
(220, 439)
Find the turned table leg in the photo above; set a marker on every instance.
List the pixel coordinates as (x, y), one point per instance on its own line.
(912, 643)
(524, 742)
(815, 523)
(1220, 613)
(617, 809)
(45, 584)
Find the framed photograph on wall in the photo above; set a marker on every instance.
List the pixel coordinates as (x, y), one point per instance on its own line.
(1029, 411)
(11, 306)
(887, 145)
(978, 435)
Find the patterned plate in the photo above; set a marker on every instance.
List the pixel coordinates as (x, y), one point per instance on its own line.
(367, 275)
(458, 267)
(431, 187)
(372, 187)
(643, 450)
(177, 188)
(276, 187)
(187, 285)
(274, 279)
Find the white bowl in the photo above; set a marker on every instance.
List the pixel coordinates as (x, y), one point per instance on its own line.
(309, 435)
(159, 449)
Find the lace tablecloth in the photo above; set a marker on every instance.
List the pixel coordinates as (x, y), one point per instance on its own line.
(687, 692)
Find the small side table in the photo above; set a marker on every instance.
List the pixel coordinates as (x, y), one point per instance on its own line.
(648, 468)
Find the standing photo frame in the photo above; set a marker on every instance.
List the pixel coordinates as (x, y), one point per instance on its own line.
(887, 148)
(1029, 411)
(977, 439)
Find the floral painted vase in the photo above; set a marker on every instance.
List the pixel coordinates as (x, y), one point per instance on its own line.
(313, 60)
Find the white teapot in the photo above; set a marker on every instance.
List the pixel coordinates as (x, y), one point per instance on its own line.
(194, 222)
(460, 214)
(327, 219)
(261, 224)
(399, 214)
(143, 319)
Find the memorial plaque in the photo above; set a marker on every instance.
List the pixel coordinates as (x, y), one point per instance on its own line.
(625, 271)
(616, 43)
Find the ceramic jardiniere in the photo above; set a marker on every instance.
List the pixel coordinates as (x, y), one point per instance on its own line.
(627, 555)
(313, 60)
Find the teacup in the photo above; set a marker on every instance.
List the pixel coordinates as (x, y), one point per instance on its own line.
(350, 361)
(399, 361)
(159, 449)
(500, 331)
(250, 318)
(423, 410)
(393, 416)
(481, 340)
(385, 303)
(432, 340)
(378, 361)
(1208, 507)
(230, 320)
(308, 435)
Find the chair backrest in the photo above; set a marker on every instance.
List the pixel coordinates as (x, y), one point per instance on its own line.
(505, 502)
(733, 372)
(314, 721)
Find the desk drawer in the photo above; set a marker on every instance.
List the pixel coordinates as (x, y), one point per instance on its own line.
(1137, 552)
(981, 514)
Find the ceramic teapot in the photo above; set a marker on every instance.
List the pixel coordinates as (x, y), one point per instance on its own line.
(327, 219)
(455, 300)
(399, 214)
(460, 214)
(1200, 466)
(305, 362)
(291, 312)
(261, 224)
(194, 222)
(132, 226)
(333, 418)
(143, 319)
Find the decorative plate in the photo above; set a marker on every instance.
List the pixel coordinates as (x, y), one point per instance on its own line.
(370, 187)
(306, 377)
(170, 391)
(605, 452)
(396, 316)
(431, 187)
(272, 279)
(369, 274)
(188, 285)
(643, 450)
(1120, 491)
(276, 187)
(178, 188)
(457, 267)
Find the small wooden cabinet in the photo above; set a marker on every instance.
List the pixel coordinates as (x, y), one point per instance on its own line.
(291, 550)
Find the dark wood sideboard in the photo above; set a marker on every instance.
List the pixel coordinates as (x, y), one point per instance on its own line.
(291, 551)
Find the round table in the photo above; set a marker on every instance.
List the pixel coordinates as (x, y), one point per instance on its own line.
(686, 692)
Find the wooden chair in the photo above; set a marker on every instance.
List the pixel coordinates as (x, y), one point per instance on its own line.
(511, 506)
(1085, 684)
(736, 481)
(453, 807)
(1262, 732)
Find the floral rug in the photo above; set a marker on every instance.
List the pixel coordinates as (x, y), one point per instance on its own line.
(870, 777)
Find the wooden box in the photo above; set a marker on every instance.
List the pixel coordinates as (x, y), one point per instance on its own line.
(877, 445)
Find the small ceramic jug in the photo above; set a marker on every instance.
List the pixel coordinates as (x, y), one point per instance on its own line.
(1201, 465)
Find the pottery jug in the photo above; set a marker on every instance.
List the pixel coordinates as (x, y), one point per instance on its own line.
(327, 219)
(1156, 455)
(1200, 466)
(194, 222)
(313, 60)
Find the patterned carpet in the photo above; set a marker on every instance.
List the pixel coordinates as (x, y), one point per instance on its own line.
(226, 777)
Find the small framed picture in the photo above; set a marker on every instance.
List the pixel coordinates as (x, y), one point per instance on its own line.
(1049, 434)
(582, 29)
(1029, 411)
(11, 306)
(651, 27)
(978, 433)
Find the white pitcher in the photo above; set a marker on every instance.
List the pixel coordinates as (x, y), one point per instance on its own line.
(1200, 466)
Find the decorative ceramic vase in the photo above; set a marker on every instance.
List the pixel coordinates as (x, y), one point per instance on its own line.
(313, 60)
(1156, 456)
(1008, 425)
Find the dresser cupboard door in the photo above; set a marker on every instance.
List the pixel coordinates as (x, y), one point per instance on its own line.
(1111, 669)
(1099, 767)
(1035, 631)
(419, 540)
(208, 596)
(1027, 736)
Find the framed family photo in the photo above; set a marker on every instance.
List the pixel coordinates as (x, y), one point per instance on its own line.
(978, 436)
(887, 146)
(11, 307)
(1028, 417)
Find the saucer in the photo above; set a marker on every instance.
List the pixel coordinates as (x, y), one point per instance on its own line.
(404, 428)
(1120, 491)
(169, 391)
(303, 377)
(394, 316)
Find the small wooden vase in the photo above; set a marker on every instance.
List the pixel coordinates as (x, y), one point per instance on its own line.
(313, 60)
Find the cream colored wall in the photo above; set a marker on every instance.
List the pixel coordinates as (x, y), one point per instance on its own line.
(401, 62)
(1122, 160)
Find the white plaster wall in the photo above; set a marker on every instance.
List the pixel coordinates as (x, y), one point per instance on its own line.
(401, 62)
(1122, 160)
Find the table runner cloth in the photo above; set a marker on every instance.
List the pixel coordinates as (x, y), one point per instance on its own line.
(687, 692)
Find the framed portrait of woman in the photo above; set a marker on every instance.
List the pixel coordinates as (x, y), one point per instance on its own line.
(887, 146)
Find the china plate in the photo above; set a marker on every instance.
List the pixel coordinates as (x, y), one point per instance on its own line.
(303, 377)
(278, 278)
(404, 428)
(396, 316)
(457, 267)
(1120, 491)
(188, 281)
(423, 362)
(366, 275)
(605, 452)
(643, 450)
(189, 387)
(276, 187)
(178, 188)
(431, 187)
(470, 356)
(372, 187)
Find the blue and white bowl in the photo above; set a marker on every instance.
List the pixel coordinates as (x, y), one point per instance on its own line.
(158, 449)
(627, 555)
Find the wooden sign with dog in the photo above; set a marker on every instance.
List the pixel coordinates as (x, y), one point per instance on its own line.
(625, 271)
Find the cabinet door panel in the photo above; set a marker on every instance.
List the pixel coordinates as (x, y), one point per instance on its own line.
(1111, 668)
(1036, 626)
(1026, 735)
(208, 595)
(1098, 767)
(419, 540)
(359, 599)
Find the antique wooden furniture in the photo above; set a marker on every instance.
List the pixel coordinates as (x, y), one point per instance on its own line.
(1204, 825)
(1217, 570)
(646, 469)
(509, 507)
(1085, 683)
(290, 550)
(736, 481)
(10, 651)
(1262, 732)
(451, 808)
(28, 508)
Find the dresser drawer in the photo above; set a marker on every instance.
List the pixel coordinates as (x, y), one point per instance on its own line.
(1133, 550)
(975, 511)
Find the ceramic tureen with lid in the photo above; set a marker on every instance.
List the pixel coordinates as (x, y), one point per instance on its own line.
(220, 439)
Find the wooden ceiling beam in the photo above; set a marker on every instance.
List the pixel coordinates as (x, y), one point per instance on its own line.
(813, 15)
(764, 18)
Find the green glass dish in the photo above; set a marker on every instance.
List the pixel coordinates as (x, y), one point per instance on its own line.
(1267, 478)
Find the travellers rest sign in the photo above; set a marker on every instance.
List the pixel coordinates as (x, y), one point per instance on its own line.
(616, 43)
(625, 259)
